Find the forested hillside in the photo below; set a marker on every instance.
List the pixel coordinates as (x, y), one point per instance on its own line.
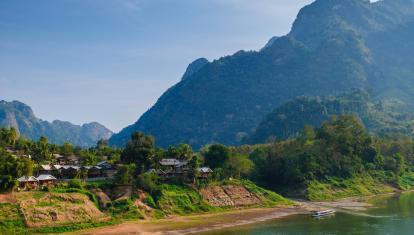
(384, 118)
(333, 47)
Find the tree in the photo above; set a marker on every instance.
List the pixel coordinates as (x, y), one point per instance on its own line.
(9, 170)
(181, 152)
(125, 174)
(194, 166)
(148, 182)
(66, 149)
(25, 167)
(216, 156)
(88, 158)
(139, 151)
(308, 134)
(238, 165)
(41, 151)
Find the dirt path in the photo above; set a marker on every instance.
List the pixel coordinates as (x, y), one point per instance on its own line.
(196, 223)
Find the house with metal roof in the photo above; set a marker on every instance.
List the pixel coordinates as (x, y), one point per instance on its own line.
(27, 182)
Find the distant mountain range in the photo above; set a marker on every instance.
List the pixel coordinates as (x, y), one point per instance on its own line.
(19, 115)
(334, 46)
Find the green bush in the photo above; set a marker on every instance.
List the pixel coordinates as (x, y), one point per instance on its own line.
(181, 200)
(75, 183)
(150, 201)
(125, 209)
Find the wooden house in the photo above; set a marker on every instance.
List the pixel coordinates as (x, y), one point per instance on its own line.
(45, 170)
(107, 169)
(69, 172)
(46, 180)
(92, 171)
(205, 172)
(27, 182)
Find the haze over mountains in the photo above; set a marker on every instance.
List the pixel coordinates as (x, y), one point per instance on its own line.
(334, 46)
(19, 115)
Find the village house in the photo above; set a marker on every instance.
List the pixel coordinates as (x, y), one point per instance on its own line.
(69, 160)
(107, 169)
(102, 169)
(92, 171)
(69, 172)
(60, 159)
(27, 182)
(173, 168)
(205, 172)
(45, 170)
(46, 180)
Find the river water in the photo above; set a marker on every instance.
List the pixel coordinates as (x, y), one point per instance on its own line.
(389, 215)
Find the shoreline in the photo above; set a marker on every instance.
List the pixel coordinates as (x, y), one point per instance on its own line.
(200, 223)
(194, 224)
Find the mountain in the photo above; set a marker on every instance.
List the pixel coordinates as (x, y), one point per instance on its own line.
(334, 46)
(386, 117)
(19, 115)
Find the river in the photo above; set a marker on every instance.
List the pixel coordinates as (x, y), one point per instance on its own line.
(389, 215)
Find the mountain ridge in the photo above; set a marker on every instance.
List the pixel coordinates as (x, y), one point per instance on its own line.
(334, 46)
(21, 116)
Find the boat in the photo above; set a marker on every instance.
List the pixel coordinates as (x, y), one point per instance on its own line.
(322, 213)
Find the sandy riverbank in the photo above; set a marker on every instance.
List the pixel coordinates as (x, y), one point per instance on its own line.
(197, 223)
(207, 222)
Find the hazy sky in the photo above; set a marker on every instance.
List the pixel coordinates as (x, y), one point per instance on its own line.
(109, 60)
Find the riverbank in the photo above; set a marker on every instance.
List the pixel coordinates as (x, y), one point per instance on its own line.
(197, 223)
(194, 224)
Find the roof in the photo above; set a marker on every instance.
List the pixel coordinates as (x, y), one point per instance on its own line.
(91, 167)
(57, 167)
(46, 177)
(172, 162)
(105, 165)
(65, 167)
(156, 171)
(56, 155)
(205, 170)
(27, 179)
(72, 158)
(103, 162)
(46, 167)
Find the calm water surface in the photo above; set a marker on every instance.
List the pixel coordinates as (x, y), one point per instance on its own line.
(390, 215)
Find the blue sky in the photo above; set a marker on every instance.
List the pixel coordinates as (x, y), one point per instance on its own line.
(109, 60)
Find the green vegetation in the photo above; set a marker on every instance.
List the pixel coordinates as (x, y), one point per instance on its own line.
(71, 227)
(406, 181)
(268, 197)
(328, 161)
(339, 159)
(181, 200)
(11, 219)
(383, 118)
(125, 209)
(336, 188)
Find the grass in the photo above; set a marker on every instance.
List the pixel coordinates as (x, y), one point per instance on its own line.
(267, 197)
(181, 200)
(72, 227)
(335, 188)
(11, 220)
(406, 181)
(90, 195)
(125, 209)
